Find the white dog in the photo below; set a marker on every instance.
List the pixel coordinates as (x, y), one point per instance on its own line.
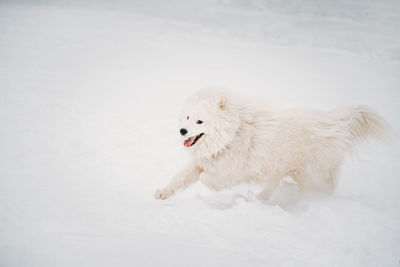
(234, 141)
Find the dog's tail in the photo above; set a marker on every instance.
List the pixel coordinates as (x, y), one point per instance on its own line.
(362, 122)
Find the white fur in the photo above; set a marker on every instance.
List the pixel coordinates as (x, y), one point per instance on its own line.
(245, 142)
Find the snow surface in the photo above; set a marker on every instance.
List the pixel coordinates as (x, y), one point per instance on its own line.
(90, 96)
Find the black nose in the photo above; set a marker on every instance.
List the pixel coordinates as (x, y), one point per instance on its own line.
(183, 131)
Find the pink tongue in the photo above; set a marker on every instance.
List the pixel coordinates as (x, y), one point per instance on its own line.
(188, 142)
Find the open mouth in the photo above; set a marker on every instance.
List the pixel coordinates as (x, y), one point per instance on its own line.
(192, 140)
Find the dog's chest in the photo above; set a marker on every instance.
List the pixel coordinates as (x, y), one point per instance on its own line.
(223, 164)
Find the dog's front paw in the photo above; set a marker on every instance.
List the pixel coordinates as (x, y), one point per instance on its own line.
(163, 194)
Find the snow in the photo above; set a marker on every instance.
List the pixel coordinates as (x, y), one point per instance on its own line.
(90, 97)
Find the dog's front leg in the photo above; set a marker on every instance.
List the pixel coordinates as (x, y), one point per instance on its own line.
(189, 175)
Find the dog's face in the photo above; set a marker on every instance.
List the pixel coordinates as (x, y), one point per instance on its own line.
(196, 122)
(207, 125)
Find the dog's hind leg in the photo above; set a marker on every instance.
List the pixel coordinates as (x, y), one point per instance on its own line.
(269, 185)
(332, 179)
(318, 178)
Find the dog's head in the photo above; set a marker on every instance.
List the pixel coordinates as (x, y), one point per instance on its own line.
(208, 123)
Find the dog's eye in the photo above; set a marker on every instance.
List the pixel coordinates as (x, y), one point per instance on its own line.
(199, 122)
(187, 117)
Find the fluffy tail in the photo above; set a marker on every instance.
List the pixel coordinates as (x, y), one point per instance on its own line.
(363, 122)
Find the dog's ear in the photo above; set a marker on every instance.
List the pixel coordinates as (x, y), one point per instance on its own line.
(221, 102)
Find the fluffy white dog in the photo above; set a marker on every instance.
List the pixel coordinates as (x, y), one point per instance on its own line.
(234, 141)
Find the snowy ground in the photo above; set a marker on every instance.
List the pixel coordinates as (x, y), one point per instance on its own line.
(90, 95)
